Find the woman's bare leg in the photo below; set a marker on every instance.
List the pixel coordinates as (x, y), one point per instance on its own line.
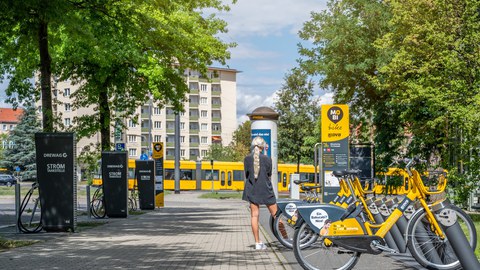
(254, 211)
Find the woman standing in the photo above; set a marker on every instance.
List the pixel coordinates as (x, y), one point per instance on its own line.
(258, 186)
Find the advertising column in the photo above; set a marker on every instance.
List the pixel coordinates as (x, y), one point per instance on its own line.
(264, 124)
(55, 160)
(157, 155)
(335, 133)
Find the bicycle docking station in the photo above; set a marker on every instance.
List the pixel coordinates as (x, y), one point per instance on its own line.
(145, 175)
(115, 183)
(55, 160)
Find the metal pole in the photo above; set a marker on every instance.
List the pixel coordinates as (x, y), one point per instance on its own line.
(89, 214)
(17, 206)
(149, 142)
(211, 172)
(177, 153)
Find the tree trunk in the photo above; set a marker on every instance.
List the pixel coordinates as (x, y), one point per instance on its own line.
(298, 164)
(104, 119)
(45, 77)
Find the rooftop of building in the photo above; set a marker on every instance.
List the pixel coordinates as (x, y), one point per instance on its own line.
(9, 115)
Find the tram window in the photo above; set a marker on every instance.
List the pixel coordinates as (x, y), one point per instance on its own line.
(238, 175)
(187, 174)
(169, 174)
(184, 174)
(309, 176)
(207, 175)
(131, 173)
(229, 179)
(222, 181)
(284, 180)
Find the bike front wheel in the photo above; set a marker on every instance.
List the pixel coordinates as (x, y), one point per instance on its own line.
(431, 251)
(321, 253)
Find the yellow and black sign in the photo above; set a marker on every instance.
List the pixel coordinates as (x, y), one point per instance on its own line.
(335, 122)
(157, 150)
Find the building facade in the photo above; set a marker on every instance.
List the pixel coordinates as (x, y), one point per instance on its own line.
(9, 119)
(209, 117)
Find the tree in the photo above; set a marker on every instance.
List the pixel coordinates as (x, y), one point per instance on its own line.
(23, 152)
(242, 140)
(345, 60)
(122, 52)
(298, 114)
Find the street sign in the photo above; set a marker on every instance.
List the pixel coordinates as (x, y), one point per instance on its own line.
(119, 146)
(143, 156)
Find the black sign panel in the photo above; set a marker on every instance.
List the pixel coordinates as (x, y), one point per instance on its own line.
(115, 183)
(145, 174)
(55, 160)
(361, 159)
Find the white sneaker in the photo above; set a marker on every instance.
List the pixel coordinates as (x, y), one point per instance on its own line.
(260, 246)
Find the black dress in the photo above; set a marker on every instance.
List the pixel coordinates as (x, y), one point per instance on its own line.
(260, 190)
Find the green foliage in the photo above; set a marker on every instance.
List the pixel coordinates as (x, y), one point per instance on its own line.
(298, 114)
(23, 152)
(88, 160)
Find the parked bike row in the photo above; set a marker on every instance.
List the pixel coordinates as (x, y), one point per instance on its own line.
(371, 218)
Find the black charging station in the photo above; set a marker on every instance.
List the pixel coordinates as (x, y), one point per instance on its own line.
(145, 174)
(55, 160)
(115, 183)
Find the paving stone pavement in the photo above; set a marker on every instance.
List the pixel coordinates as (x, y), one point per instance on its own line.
(188, 233)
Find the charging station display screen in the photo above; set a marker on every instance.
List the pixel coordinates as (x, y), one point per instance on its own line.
(55, 160)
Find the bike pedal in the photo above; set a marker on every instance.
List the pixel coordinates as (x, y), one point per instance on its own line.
(385, 248)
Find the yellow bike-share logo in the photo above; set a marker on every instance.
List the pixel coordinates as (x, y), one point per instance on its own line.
(335, 122)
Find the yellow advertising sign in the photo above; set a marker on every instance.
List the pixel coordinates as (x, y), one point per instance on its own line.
(335, 122)
(157, 150)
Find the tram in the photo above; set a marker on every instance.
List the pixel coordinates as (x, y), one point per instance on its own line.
(202, 175)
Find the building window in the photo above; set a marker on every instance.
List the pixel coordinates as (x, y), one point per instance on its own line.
(68, 107)
(157, 124)
(66, 92)
(204, 153)
(182, 125)
(4, 127)
(55, 92)
(203, 100)
(131, 124)
(157, 138)
(132, 152)
(182, 152)
(203, 88)
(157, 111)
(67, 122)
(12, 127)
(204, 140)
(204, 114)
(182, 139)
(204, 127)
(132, 138)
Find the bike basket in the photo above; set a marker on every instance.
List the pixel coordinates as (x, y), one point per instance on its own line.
(434, 180)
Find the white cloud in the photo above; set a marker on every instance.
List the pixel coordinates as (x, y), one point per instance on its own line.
(246, 103)
(248, 51)
(269, 17)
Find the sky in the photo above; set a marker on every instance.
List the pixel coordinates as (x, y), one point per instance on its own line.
(266, 33)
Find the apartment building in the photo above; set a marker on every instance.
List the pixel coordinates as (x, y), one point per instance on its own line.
(209, 117)
(9, 118)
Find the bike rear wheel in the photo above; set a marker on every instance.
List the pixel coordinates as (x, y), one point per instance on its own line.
(431, 251)
(319, 255)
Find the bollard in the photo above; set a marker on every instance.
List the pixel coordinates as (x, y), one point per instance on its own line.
(448, 221)
(429, 250)
(17, 206)
(372, 205)
(89, 214)
(387, 208)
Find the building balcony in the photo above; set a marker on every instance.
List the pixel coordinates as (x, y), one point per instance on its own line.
(216, 106)
(194, 144)
(215, 80)
(193, 157)
(145, 129)
(216, 119)
(194, 131)
(194, 118)
(216, 132)
(193, 78)
(216, 93)
(193, 104)
(170, 157)
(170, 130)
(193, 91)
(145, 115)
(170, 117)
(170, 144)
